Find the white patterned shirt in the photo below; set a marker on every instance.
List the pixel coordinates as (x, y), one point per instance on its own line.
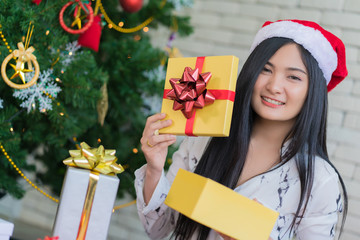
(278, 189)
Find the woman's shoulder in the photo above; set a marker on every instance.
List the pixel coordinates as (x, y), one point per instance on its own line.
(323, 169)
(326, 185)
(323, 172)
(325, 199)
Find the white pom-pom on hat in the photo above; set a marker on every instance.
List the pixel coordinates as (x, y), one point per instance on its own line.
(327, 49)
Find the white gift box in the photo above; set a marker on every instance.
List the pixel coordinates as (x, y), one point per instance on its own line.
(71, 205)
(6, 229)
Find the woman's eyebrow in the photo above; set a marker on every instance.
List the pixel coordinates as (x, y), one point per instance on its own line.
(289, 68)
(297, 69)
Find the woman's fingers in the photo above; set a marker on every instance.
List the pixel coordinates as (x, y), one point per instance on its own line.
(154, 127)
(151, 137)
(157, 140)
(156, 117)
(148, 147)
(153, 119)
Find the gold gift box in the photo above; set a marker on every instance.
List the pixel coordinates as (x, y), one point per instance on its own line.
(213, 119)
(220, 208)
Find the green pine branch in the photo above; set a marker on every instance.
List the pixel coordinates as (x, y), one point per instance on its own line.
(122, 62)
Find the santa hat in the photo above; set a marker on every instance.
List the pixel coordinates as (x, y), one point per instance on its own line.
(325, 47)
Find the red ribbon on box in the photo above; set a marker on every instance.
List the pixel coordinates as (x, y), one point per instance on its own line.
(189, 93)
(50, 238)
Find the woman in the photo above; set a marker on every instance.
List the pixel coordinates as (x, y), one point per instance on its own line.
(276, 152)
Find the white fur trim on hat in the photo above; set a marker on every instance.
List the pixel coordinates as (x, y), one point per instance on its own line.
(311, 39)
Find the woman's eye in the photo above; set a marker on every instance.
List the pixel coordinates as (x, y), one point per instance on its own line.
(295, 78)
(265, 69)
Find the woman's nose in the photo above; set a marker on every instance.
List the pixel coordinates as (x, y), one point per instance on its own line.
(275, 84)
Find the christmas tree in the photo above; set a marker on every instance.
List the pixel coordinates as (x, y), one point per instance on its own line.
(96, 94)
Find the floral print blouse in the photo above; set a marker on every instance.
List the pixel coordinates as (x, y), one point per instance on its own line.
(278, 189)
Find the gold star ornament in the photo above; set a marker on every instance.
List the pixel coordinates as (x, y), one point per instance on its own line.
(77, 20)
(22, 56)
(20, 72)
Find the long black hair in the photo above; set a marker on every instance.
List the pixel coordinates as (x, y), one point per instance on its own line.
(224, 157)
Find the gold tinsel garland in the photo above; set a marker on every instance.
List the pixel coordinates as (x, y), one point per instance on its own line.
(43, 192)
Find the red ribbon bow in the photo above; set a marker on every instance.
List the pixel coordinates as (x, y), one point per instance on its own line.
(189, 92)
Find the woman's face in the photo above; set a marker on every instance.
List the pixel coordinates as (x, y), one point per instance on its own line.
(281, 88)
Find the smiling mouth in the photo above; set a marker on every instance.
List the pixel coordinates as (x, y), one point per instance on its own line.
(272, 101)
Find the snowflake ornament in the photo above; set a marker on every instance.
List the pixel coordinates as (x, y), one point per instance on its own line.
(1, 102)
(36, 94)
(67, 56)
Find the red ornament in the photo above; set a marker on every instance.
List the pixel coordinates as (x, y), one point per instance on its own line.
(91, 37)
(37, 2)
(131, 6)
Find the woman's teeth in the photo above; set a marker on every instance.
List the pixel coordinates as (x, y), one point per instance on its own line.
(272, 101)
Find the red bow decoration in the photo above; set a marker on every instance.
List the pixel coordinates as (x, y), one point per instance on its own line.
(189, 92)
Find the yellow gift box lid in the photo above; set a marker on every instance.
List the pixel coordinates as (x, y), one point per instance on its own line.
(213, 119)
(220, 208)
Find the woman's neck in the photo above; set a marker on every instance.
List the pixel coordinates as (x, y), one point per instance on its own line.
(271, 132)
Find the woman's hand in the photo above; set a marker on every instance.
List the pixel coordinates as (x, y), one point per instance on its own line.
(155, 148)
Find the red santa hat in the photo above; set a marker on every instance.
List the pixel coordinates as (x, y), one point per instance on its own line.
(325, 47)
